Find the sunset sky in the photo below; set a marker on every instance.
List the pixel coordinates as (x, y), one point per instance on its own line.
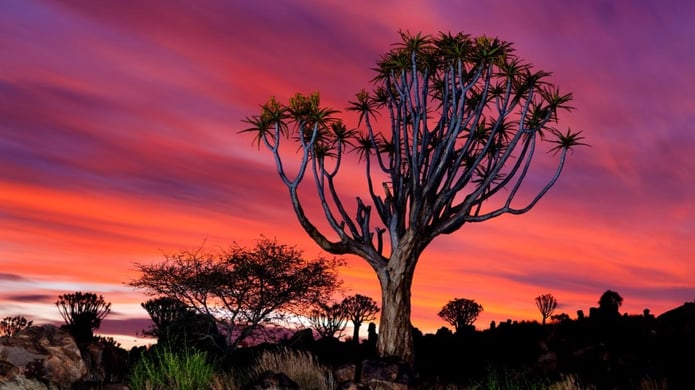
(119, 142)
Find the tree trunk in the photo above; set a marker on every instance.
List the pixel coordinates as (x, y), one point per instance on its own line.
(356, 332)
(395, 332)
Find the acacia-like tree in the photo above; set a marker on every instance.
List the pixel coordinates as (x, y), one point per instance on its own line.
(546, 304)
(460, 313)
(328, 320)
(463, 117)
(83, 313)
(242, 288)
(358, 309)
(10, 326)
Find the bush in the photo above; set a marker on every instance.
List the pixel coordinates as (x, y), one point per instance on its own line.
(164, 369)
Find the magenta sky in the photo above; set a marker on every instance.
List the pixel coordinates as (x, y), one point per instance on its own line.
(119, 141)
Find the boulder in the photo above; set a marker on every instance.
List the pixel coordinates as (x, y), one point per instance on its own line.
(387, 374)
(46, 354)
(345, 373)
(20, 382)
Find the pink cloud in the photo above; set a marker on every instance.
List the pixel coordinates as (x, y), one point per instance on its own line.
(119, 139)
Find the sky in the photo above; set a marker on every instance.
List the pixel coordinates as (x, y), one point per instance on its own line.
(119, 143)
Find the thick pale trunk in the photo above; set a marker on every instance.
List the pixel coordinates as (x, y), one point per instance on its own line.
(395, 333)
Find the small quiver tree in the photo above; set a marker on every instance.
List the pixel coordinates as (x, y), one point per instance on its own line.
(328, 320)
(82, 313)
(9, 326)
(177, 327)
(461, 313)
(359, 309)
(546, 304)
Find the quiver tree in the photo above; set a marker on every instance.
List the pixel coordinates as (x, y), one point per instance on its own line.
(358, 309)
(163, 311)
(546, 304)
(10, 326)
(177, 326)
(242, 288)
(82, 313)
(328, 320)
(462, 119)
(460, 313)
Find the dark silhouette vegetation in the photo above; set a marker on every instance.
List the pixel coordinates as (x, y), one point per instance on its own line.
(9, 326)
(546, 304)
(82, 313)
(240, 290)
(461, 313)
(606, 349)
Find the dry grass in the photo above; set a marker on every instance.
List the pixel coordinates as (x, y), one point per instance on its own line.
(302, 367)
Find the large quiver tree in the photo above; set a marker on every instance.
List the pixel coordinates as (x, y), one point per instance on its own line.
(462, 115)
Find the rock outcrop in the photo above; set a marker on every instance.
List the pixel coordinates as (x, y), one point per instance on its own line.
(40, 356)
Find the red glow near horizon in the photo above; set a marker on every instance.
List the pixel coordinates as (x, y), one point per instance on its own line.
(119, 141)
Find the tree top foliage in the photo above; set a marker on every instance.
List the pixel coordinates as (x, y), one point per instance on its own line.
(465, 114)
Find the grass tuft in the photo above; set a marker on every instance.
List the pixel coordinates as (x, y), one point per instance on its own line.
(166, 370)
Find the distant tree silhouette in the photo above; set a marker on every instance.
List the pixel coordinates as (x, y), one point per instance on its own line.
(609, 303)
(9, 326)
(546, 304)
(358, 309)
(178, 327)
(562, 317)
(464, 117)
(460, 313)
(162, 311)
(82, 313)
(328, 319)
(242, 288)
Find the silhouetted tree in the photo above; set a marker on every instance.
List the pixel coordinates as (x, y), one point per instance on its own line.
(177, 326)
(328, 320)
(9, 326)
(464, 116)
(609, 303)
(242, 288)
(82, 313)
(460, 313)
(162, 311)
(358, 309)
(546, 304)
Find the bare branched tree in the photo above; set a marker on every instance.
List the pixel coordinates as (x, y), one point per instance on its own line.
(329, 320)
(463, 117)
(546, 304)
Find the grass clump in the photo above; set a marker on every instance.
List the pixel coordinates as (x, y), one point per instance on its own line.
(165, 369)
(300, 366)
